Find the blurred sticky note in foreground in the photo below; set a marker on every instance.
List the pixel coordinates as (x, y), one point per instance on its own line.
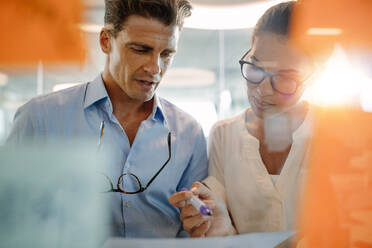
(337, 208)
(50, 195)
(37, 30)
(318, 24)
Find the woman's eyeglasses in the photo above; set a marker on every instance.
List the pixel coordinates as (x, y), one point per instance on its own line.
(284, 84)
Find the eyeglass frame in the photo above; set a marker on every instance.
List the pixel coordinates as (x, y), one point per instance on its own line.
(141, 189)
(267, 74)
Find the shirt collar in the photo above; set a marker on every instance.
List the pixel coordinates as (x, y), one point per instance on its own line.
(158, 111)
(95, 91)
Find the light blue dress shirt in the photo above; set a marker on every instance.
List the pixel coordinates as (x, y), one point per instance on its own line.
(79, 112)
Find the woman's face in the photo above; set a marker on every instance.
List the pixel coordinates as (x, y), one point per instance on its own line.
(274, 54)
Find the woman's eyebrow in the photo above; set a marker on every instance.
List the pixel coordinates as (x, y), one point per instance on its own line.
(265, 64)
(289, 71)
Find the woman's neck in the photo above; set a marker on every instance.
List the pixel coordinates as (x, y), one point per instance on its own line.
(278, 126)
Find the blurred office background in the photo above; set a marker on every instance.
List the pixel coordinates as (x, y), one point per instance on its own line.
(204, 79)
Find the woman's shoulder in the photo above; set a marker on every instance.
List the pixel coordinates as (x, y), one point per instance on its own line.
(229, 124)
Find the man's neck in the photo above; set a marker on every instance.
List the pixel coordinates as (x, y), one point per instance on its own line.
(123, 105)
(129, 112)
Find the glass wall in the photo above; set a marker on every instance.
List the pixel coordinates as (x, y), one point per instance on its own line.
(211, 87)
(204, 78)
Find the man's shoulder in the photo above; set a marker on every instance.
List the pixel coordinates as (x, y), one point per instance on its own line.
(174, 113)
(65, 97)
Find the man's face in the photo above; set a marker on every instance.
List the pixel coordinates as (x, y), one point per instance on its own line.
(140, 54)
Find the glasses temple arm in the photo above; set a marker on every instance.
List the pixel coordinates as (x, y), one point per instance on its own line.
(169, 157)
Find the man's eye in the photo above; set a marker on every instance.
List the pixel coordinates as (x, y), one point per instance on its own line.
(141, 51)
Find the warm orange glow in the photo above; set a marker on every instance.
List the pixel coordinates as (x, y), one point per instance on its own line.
(37, 30)
(337, 207)
(341, 83)
(347, 23)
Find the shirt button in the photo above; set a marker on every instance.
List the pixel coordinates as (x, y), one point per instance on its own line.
(127, 204)
(127, 165)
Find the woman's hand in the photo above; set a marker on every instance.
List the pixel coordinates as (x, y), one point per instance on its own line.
(196, 224)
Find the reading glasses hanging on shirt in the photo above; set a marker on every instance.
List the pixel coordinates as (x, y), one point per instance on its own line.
(129, 183)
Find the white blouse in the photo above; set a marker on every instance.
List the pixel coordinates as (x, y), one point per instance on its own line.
(239, 176)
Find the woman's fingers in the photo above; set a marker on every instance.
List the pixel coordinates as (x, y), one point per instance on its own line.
(188, 211)
(179, 199)
(194, 222)
(201, 230)
(210, 203)
(190, 223)
(201, 190)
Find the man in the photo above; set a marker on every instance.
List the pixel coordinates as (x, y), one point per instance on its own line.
(120, 106)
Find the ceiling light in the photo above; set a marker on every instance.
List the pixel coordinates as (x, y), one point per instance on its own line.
(91, 28)
(324, 31)
(217, 17)
(231, 17)
(188, 77)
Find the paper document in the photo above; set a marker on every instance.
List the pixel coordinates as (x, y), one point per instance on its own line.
(261, 240)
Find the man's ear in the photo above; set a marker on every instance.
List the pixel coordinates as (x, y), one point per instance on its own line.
(105, 40)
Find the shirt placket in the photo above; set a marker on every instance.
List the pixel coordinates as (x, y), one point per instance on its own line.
(129, 201)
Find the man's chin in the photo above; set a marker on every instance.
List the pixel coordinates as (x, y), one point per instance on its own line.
(143, 98)
(149, 98)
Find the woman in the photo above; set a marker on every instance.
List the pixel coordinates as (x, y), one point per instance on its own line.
(256, 158)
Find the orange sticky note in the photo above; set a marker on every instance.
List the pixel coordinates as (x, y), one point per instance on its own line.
(337, 207)
(37, 30)
(318, 24)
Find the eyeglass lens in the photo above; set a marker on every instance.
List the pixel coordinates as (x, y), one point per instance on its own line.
(129, 183)
(280, 83)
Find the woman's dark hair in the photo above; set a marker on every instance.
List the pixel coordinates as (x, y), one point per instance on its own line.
(275, 20)
(169, 12)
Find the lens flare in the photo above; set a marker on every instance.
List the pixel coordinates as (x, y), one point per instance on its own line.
(341, 84)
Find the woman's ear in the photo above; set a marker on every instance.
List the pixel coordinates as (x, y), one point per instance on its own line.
(105, 40)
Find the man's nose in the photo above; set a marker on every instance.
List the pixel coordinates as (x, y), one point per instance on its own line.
(153, 66)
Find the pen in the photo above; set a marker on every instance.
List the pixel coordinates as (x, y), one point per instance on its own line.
(198, 204)
(101, 131)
